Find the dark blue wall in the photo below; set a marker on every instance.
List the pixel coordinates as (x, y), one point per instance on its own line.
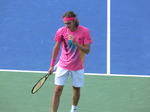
(27, 29)
(130, 45)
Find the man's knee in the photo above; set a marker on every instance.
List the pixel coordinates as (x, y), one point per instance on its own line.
(76, 90)
(58, 90)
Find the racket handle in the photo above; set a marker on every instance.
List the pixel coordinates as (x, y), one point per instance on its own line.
(54, 69)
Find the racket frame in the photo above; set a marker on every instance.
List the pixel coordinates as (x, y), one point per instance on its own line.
(46, 76)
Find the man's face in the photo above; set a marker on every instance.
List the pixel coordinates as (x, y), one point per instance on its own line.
(70, 25)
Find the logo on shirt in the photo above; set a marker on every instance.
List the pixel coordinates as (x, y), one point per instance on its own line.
(80, 38)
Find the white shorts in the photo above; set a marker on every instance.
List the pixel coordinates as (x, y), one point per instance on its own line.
(77, 77)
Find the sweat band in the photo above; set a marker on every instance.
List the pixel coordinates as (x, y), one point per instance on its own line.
(69, 19)
(53, 62)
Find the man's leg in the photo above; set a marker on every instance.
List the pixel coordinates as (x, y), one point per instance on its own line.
(56, 97)
(75, 98)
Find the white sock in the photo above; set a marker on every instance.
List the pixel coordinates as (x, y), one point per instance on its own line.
(73, 108)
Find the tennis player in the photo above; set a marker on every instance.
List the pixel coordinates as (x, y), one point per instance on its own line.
(75, 41)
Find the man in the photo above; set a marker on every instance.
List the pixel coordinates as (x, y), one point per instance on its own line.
(75, 41)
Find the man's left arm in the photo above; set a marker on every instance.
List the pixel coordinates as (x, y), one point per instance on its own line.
(84, 48)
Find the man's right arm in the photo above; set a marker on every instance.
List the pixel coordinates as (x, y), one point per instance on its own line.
(55, 52)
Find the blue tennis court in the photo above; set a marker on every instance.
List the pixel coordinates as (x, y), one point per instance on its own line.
(27, 29)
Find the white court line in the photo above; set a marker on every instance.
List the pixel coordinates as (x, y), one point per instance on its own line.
(108, 37)
(120, 75)
(6, 70)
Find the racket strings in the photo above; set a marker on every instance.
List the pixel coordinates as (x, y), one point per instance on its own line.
(39, 84)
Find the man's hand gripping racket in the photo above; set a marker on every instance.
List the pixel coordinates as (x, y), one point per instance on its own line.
(40, 83)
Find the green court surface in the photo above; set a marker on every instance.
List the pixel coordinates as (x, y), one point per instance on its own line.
(100, 94)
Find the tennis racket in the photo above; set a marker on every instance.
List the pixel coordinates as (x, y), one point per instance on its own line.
(41, 82)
